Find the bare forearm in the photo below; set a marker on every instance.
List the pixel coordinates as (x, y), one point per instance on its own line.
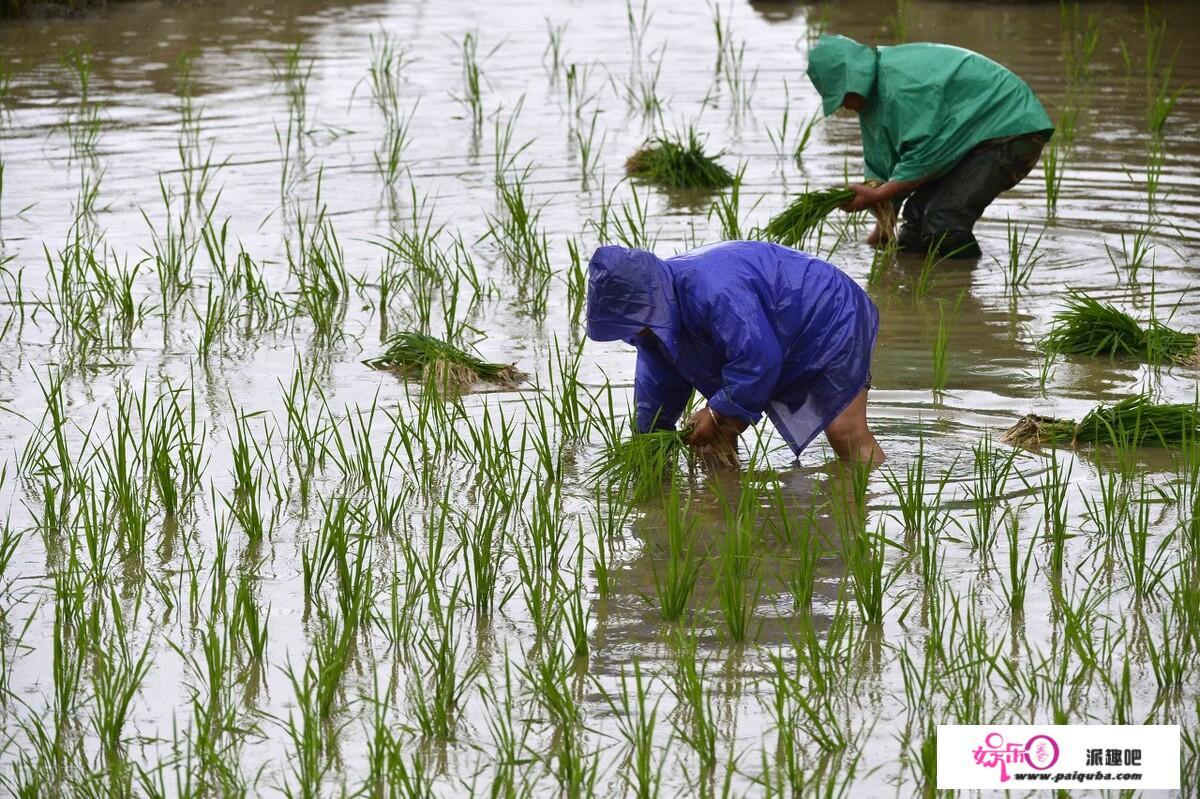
(897, 188)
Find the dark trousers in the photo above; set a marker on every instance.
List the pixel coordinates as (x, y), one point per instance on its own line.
(941, 214)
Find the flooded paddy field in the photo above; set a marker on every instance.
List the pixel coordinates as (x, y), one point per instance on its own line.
(238, 562)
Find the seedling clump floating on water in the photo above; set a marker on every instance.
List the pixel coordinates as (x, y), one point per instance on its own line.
(1088, 326)
(1132, 422)
(678, 163)
(441, 361)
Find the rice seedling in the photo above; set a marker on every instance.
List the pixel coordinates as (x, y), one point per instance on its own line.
(1146, 571)
(882, 259)
(389, 158)
(440, 362)
(641, 462)
(552, 56)
(792, 226)
(919, 509)
(636, 719)
(1022, 260)
(389, 60)
(641, 88)
(638, 22)
(986, 490)
(1172, 657)
(941, 363)
(727, 208)
(738, 584)
(304, 727)
(1156, 160)
(1053, 489)
(1079, 40)
(1132, 422)
(779, 137)
(117, 676)
(579, 93)
(1137, 251)
(484, 540)
(589, 149)
(1162, 102)
(865, 555)
(517, 233)
(472, 98)
(805, 137)
(392, 771)
(577, 617)
(801, 714)
(1185, 492)
(1018, 565)
(293, 71)
(1088, 326)
(694, 720)
(804, 542)
(733, 71)
(628, 228)
(440, 685)
(83, 124)
(675, 585)
(678, 161)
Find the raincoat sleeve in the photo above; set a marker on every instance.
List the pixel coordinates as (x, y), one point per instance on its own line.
(659, 391)
(742, 333)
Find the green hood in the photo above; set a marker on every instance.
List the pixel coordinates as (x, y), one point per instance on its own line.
(838, 66)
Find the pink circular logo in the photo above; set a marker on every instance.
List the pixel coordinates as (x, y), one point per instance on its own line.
(1041, 752)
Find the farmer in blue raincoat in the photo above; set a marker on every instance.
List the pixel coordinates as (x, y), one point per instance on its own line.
(754, 327)
(944, 129)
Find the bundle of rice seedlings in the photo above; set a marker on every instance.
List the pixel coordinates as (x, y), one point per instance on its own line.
(440, 362)
(1132, 422)
(678, 163)
(642, 461)
(793, 224)
(1088, 326)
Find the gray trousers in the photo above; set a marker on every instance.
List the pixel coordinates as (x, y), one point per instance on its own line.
(941, 214)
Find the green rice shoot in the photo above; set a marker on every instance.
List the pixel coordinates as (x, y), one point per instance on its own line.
(1088, 326)
(410, 352)
(1132, 422)
(792, 225)
(678, 163)
(642, 461)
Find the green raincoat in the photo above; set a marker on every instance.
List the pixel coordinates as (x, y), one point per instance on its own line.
(928, 105)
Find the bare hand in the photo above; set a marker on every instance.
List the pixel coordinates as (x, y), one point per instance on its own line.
(714, 434)
(864, 197)
(704, 429)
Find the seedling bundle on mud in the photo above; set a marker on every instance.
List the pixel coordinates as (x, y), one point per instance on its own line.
(1132, 422)
(1088, 326)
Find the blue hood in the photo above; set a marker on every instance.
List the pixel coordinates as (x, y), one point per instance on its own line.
(629, 290)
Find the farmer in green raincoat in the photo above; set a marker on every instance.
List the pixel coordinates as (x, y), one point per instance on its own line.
(944, 130)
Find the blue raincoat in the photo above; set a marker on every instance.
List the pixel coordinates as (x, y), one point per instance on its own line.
(754, 327)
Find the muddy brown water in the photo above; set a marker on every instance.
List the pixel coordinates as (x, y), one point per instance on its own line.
(994, 365)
